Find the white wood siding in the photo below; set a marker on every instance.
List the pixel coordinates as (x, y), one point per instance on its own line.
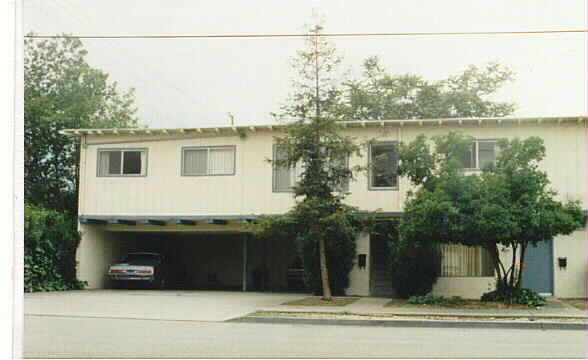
(163, 191)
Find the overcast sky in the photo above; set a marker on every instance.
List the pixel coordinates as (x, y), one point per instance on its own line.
(196, 82)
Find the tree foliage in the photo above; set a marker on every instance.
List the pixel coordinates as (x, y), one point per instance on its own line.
(413, 266)
(50, 242)
(61, 90)
(325, 226)
(379, 95)
(508, 205)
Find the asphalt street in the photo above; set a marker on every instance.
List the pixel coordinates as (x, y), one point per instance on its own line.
(61, 336)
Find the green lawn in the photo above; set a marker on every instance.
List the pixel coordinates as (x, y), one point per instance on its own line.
(466, 304)
(317, 301)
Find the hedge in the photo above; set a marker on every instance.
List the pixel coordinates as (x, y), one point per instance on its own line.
(50, 243)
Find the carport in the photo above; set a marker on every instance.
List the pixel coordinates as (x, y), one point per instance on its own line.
(206, 252)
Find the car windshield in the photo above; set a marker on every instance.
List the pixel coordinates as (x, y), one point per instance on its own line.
(142, 258)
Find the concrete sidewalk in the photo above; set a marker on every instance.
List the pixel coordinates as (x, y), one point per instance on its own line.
(372, 311)
(180, 305)
(374, 305)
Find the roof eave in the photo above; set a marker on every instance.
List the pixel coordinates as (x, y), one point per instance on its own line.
(345, 124)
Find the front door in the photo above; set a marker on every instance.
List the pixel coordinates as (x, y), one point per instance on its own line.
(380, 282)
(538, 267)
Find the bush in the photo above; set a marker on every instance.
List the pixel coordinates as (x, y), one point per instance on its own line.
(520, 296)
(435, 300)
(340, 251)
(414, 267)
(340, 230)
(50, 243)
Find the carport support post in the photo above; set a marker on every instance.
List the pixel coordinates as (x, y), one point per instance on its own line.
(244, 276)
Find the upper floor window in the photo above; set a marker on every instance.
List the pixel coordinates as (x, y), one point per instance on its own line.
(284, 178)
(481, 154)
(383, 163)
(212, 160)
(122, 162)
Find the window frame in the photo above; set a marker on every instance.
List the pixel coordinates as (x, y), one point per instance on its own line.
(232, 147)
(371, 171)
(122, 151)
(477, 153)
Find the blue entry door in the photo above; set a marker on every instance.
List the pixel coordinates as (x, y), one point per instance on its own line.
(538, 267)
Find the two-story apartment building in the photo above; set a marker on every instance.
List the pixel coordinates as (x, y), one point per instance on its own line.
(190, 192)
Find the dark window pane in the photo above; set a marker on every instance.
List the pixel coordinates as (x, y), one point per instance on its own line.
(486, 153)
(469, 158)
(340, 163)
(132, 162)
(384, 166)
(114, 163)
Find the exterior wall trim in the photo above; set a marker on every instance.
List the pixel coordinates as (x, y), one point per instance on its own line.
(84, 219)
(350, 123)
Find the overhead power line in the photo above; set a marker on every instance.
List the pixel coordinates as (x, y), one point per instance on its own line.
(229, 36)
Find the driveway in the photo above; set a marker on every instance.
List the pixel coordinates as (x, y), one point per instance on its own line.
(193, 305)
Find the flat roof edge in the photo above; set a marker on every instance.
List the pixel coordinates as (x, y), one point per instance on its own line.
(114, 218)
(271, 127)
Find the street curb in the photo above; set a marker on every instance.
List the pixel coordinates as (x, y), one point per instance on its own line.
(422, 314)
(415, 323)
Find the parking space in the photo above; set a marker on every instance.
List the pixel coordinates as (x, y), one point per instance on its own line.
(187, 305)
(195, 260)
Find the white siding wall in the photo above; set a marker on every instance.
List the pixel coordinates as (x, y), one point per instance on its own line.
(97, 251)
(570, 282)
(359, 279)
(165, 192)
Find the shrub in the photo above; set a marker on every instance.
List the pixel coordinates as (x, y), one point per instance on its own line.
(520, 296)
(414, 267)
(425, 300)
(340, 251)
(435, 300)
(50, 243)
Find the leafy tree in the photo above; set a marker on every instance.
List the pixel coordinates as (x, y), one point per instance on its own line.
(508, 205)
(313, 139)
(50, 242)
(379, 95)
(413, 266)
(62, 90)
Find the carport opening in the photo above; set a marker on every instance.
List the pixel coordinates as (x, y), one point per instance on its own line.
(217, 261)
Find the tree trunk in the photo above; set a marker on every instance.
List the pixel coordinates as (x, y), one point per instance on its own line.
(324, 273)
(322, 252)
(521, 264)
(513, 266)
(500, 271)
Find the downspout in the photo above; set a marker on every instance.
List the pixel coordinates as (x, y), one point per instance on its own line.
(400, 197)
(244, 275)
(81, 166)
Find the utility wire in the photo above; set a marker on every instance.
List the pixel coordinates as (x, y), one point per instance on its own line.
(229, 36)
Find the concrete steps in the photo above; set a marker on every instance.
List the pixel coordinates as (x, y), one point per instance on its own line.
(382, 284)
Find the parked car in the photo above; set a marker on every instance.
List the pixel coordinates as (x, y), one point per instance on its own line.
(147, 268)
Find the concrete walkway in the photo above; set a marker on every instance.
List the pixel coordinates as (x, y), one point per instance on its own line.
(373, 305)
(188, 305)
(199, 305)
